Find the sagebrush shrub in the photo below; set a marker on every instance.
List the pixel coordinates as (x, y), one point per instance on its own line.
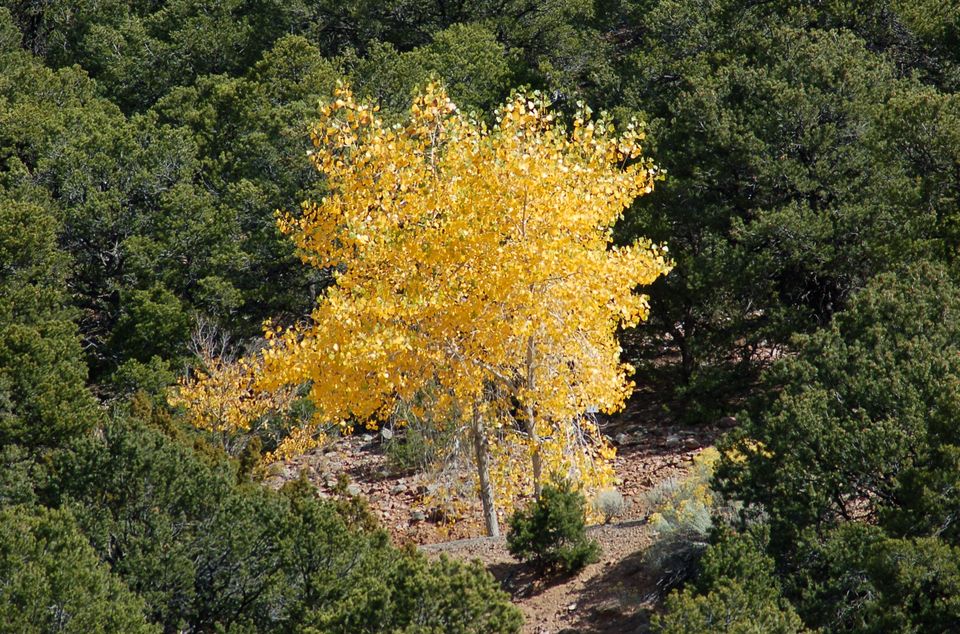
(681, 516)
(609, 504)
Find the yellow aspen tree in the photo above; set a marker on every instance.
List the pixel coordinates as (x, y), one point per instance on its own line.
(477, 260)
(221, 398)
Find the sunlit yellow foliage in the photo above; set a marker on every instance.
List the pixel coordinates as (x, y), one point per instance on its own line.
(299, 441)
(222, 398)
(575, 451)
(745, 448)
(478, 260)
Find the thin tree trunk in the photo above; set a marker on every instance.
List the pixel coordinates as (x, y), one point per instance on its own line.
(487, 498)
(687, 360)
(531, 424)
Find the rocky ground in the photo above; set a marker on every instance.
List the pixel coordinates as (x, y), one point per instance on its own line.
(609, 596)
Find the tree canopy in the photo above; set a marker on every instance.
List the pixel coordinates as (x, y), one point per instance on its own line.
(477, 262)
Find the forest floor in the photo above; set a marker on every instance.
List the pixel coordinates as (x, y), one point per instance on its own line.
(612, 595)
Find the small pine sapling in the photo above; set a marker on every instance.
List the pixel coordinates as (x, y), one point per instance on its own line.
(551, 532)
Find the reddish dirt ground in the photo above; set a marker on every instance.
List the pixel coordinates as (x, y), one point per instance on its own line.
(607, 597)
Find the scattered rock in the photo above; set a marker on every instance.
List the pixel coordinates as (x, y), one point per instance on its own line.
(608, 610)
(525, 590)
(386, 433)
(727, 422)
(367, 438)
(571, 607)
(428, 489)
(398, 488)
(672, 441)
(417, 516)
(622, 439)
(353, 489)
(691, 442)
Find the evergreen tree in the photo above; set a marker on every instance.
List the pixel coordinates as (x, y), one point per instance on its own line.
(52, 581)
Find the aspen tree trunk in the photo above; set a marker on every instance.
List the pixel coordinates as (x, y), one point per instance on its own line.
(531, 425)
(482, 450)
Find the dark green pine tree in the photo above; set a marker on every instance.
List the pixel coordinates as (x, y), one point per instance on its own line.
(52, 581)
(43, 396)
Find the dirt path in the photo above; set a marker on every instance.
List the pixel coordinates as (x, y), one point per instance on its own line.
(606, 597)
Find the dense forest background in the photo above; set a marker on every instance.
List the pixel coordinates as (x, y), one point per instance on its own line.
(812, 151)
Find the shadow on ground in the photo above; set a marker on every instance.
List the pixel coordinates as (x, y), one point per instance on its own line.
(617, 601)
(522, 581)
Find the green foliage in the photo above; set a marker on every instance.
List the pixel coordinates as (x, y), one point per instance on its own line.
(204, 553)
(474, 66)
(52, 581)
(863, 423)
(151, 321)
(737, 592)
(467, 59)
(152, 377)
(417, 596)
(414, 450)
(419, 441)
(811, 150)
(858, 579)
(919, 36)
(791, 181)
(20, 477)
(429, 593)
(140, 51)
(550, 532)
(852, 458)
(146, 505)
(132, 217)
(832, 576)
(43, 397)
(729, 608)
(919, 586)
